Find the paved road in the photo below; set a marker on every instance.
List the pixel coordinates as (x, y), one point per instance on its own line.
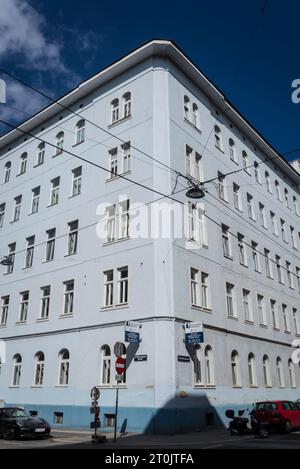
(213, 439)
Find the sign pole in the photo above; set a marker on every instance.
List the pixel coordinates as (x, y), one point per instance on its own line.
(116, 412)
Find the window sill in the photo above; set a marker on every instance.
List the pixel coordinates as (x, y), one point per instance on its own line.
(37, 165)
(61, 386)
(36, 386)
(288, 332)
(46, 262)
(237, 387)
(204, 386)
(112, 386)
(192, 125)
(124, 119)
(69, 255)
(228, 257)
(14, 221)
(2, 326)
(74, 195)
(234, 161)
(77, 144)
(114, 307)
(263, 326)
(268, 386)
(220, 149)
(253, 386)
(57, 154)
(108, 243)
(27, 268)
(117, 176)
(32, 213)
(65, 316)
(190, 240)
(20, 174)
(21, 323)
(276, 329)
(42, 319)
(52, 205)
(244, 265)
(200, 308)
(234, 318)
(247, 321)
(13, 387)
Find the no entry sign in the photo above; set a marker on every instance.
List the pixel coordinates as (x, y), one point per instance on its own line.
(120, 365)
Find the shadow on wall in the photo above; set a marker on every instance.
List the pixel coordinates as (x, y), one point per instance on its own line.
(184, 413)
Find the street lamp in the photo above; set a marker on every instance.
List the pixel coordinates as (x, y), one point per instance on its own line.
(6, 261)
(195, 193)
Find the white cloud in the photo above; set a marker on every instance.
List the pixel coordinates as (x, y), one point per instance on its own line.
(22, 32)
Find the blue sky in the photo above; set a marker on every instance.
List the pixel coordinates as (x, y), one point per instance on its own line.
(251, 56)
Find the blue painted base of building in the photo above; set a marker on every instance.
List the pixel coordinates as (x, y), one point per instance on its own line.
(138, 419)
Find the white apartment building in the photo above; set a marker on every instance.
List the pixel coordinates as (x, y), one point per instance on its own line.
(65, 297)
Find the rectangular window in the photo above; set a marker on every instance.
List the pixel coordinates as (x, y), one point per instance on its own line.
(68, 297)
(193, 163)
(200, 294)
(242, 249)
(226, 241)
(17, 208)
(298, 278)
(230, 300)
(126, 158)
(35, 200)
(279, 270)
(2, 213)
(255, 256)
(40, 154)
(45, 302)
(274, 223)
(24, 301)
(108, 288)
(54, 195)
(261, 310)
(293, 237)
(123, 285)
(117, 221)
(237, 197)
(295, 319)
(124, 219)
(113, 163)
(4, 310)
(50, 244)
(273, 306)
(262, 215)
(76, 181)
(268, 264)
(221, 187)
(251, 209)
(72, 237)
(247, 306)
(290, 275)
(197, 228)
(285, 318)
(11, 257)
(29, 252)
(283, 230)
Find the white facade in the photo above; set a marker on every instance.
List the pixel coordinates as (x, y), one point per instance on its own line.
(64, 306)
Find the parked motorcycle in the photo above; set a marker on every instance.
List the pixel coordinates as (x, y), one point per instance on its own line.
(239, 425)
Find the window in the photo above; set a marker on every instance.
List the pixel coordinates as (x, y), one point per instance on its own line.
(266, 371)
(255, 256)
(292, 374)
(126, 105)
(126, 158)
(286, 198)
(193, 163)
(17, 208)
(59, 143)
(115, 111)
(283, 230)
(262, 215)
(23, 163)
(24, 301)
(218, 138)
(268, 182)
(268, 264)
(250, 205)
(58, 418)
(76, 181)
(274, 223)
(11, 257)
(17, 368)
(280, 374)
(119, 160)
(237, 197)
(277, 190)
(124, 219)
(245, 160)
(72, 237)
(39, 369)
(7, 171)
(29, 252)
(108, 288)
(261, 310)
(293, 237)
(290, 275)
(278, 268)
(4, 310)
(242, 249)
(117, 221)
(111, 223)
(247, 305)
(257, 172)
(2, 214)
(252, 370)
(113, 163)
(200, 295)
(186, 101)
(226, 241)
(105, 376)
(235, 369)
(45, 302)
(198, 365)
(230, 300)
(273, 305)
(221, 187)
(50, 244)
(54, 194)
(35, 199)
(80, 131)
(64, 367)
(68, 297)
(195, 115)
(295, 204)
(209, 366)
(41, 153)
(295, 319)
(197, 229)
(285, 318)
(298, 278)
(232, 153)
(123, 285)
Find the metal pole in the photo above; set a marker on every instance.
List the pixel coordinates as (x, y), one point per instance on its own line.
(116, 412)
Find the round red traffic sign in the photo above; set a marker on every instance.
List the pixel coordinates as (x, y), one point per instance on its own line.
(120, 365)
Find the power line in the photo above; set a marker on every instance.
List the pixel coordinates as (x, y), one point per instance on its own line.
(56, 101)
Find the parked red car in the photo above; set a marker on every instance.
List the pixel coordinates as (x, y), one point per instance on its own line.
(280, 415)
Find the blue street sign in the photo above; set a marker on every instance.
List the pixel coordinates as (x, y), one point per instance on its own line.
(194, 333)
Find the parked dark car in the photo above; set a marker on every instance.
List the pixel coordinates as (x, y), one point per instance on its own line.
(280, 415)
(16, 423)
